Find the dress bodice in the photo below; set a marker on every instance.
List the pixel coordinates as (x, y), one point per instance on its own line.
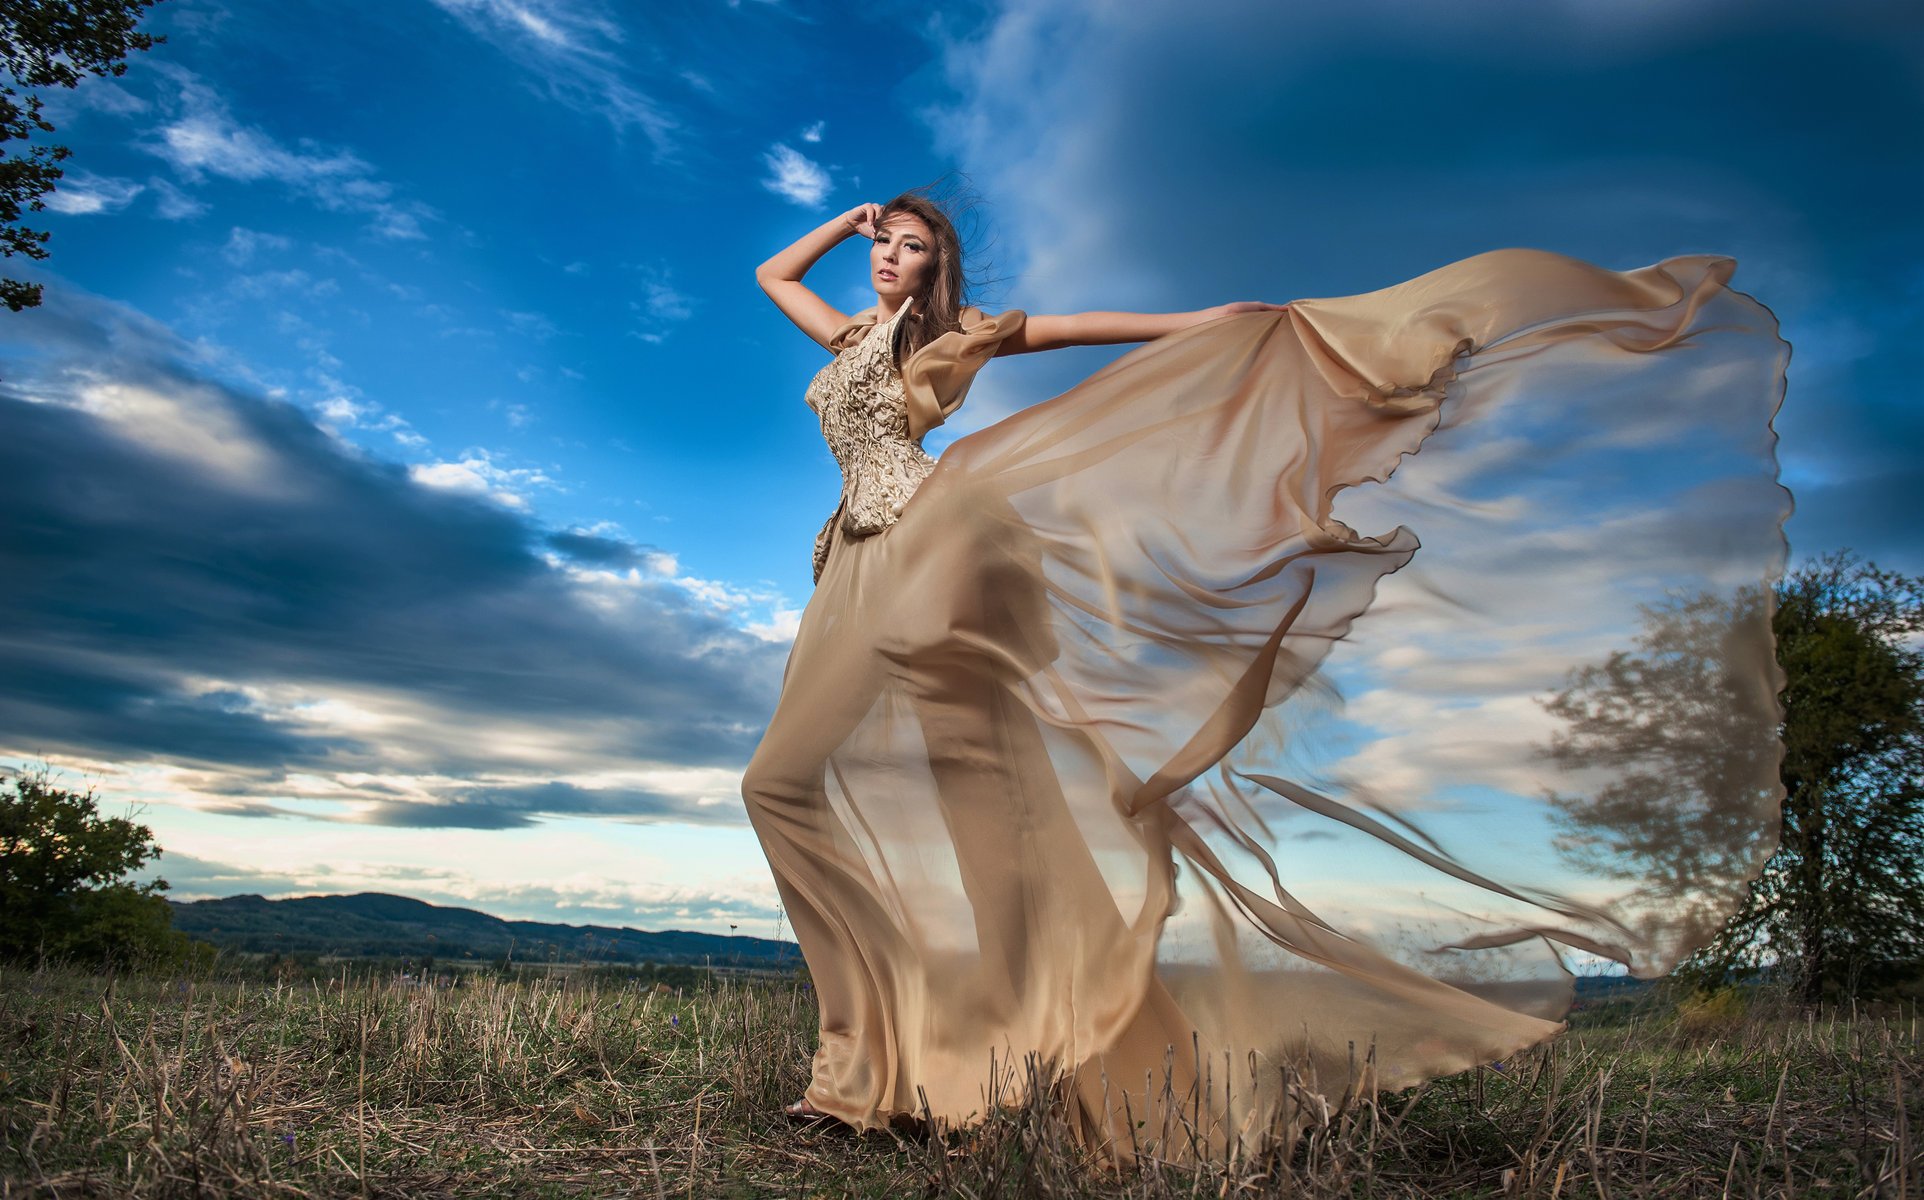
(865, 420)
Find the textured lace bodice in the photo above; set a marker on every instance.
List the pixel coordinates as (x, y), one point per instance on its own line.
(865, 420)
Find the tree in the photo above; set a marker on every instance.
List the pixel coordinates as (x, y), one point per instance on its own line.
(62, 888)
(1844, 895)
(45, 44)
(1841, 901)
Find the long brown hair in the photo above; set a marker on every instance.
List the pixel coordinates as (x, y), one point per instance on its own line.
(937, 309)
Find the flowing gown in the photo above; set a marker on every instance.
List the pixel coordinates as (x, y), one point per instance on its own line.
(1090, 775)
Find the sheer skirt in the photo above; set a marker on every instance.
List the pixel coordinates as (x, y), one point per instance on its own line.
(1123, 753)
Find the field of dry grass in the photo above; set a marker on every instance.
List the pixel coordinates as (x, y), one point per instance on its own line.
(144, 1086)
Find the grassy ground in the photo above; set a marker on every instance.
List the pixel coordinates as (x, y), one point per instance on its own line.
(145, 1086)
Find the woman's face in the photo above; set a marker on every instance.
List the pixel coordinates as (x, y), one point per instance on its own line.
(902, 257)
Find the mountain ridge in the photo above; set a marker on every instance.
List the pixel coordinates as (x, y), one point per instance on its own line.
(381, 924)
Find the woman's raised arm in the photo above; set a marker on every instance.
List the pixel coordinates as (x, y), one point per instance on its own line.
(1114, 328)
(781, 276)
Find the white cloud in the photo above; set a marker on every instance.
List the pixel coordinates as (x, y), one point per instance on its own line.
(795, 177)
(577, 52)
(208, 141)
(530, 325)
(661, 305)
(243, 244)
(341, 412)
(203, 139)
(781, 625)
(341, 407)
(104, 95)
(461, 477)
(477, 474)
(664, 303)
(761, 610)
(293, 281)
(814, 132)
(189, 426)
(172, 204)
(758, 609)
(82, 193)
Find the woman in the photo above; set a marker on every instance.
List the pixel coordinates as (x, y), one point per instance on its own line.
(1062, 707)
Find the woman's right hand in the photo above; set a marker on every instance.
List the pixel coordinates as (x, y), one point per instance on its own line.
(862, 218)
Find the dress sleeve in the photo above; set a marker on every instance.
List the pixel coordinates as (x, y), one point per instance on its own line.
(937, 377)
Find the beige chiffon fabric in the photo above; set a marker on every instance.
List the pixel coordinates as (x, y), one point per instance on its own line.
(1120, 764)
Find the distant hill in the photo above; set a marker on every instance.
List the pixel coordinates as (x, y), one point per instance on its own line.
(374, 925)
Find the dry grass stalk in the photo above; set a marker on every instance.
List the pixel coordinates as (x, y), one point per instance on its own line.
(164, 1088)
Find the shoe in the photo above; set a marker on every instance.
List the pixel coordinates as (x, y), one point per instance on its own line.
(803, 1113)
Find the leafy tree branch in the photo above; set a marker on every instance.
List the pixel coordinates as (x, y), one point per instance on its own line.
(48, 44)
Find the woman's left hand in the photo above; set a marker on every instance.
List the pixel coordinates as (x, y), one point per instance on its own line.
(1240, 306)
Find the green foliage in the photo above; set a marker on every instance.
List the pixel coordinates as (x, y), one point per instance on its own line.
(46, 44)
(62, 891)
(1843, 897)
(675, 976)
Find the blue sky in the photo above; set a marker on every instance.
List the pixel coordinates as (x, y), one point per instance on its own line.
(409, 488)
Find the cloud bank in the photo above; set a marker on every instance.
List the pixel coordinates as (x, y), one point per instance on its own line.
(202, 577)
